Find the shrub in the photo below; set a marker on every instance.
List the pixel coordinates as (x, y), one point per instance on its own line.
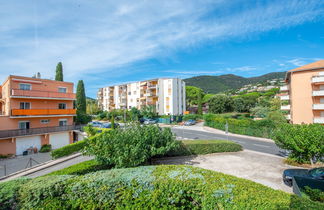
(200, 147)
(9, 193)
(130, 147)
(259, 128)
(90, 130)
(154, 187)
(68, 149)
(314, 194)
(46, 148)
(306, 142)
(192, 117)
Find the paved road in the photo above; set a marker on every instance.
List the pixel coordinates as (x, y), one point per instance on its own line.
(247, 142)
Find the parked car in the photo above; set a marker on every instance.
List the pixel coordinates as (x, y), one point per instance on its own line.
(315, 173)
(95, 124)
(149, 121)
(108, 125)
(190, 122)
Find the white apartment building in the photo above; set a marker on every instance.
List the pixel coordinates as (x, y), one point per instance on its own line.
(166, 95)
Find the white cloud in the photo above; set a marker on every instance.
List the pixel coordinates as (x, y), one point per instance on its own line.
(302, 61)
(96, 37)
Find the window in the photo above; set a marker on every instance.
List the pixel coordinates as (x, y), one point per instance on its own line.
(62, 89)
(134, 92)
(45, 121)
(24, 105)
(24, 86)
(24, 125)
(63, 122)
(62, 106)
(129, 93)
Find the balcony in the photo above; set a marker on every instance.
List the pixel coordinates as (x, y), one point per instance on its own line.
(35, 131)
(42, 112)
(318, 93)
(284, 88)
(286, 107)
(285, 97)
(152, 86)
(319, 120)
(318, 79)
(318, 106)
(17, 93)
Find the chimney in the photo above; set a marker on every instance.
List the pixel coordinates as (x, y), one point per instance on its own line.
(38, 75)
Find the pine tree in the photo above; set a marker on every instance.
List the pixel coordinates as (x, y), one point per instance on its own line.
(59, 72)
(81, 103)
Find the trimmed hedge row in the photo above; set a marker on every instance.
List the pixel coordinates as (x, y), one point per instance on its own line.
(148, 187)
(68, 149)
(259, 128)
(201, 147)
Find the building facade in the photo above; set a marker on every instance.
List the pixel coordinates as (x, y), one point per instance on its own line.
(34, 112)
(304, 94)
(166, 95)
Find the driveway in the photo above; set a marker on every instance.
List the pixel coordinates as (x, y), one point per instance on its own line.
(22, 162)
(259, 167)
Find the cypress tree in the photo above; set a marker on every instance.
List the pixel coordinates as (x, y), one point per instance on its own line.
(199, 103)
(81, 103)
(59, 72)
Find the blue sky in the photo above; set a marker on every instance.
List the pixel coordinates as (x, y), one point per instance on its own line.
(109, 42)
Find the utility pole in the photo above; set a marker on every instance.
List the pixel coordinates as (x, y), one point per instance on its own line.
(226, 129)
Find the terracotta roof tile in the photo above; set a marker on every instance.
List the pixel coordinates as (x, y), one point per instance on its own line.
(317, 64)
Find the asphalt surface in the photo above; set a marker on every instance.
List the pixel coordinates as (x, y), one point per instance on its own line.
(247, 143)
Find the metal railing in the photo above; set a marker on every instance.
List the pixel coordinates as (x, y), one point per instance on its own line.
(31, 112)
(34, 131)
(41, 93)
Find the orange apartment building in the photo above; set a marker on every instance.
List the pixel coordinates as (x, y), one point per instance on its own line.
(34, 112)
(305, 94)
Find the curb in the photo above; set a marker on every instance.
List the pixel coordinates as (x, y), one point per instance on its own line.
(38, 167)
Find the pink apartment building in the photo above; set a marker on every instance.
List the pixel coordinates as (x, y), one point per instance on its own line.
(34, 112)
(305, 94)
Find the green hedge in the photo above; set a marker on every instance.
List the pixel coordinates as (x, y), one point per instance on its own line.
(148, 187)
(68, 149)
(81, 168)
(200, 147)
(258, 128)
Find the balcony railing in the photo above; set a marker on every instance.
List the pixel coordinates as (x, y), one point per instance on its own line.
(318, 106)
(32, 112)
(284, 88)
(285, 97)
(41, 94)
(286, 107)
(318, 93)
(319, 120)
(35, 131)
(318, 79)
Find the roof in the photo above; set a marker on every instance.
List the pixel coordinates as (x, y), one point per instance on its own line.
(310, 66)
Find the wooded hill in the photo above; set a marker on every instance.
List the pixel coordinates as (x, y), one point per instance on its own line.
(216, 84)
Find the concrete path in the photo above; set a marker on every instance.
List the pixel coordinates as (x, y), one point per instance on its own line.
(262, 168)
(22, 162)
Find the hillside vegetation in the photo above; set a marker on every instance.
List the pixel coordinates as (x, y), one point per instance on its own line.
(217, 84)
